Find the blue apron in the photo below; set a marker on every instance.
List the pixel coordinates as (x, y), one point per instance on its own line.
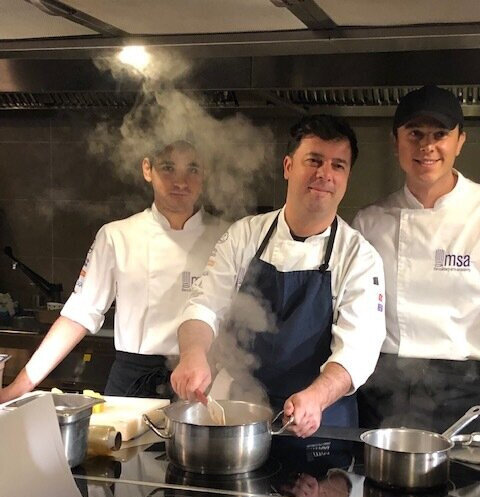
(290, 358)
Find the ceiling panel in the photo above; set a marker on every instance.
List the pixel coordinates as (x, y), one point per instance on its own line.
(190, 16)
(400, 13)
(19, 19)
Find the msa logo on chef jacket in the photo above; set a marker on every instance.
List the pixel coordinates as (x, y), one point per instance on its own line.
(451, 262)
(380, 295)
(187, 281)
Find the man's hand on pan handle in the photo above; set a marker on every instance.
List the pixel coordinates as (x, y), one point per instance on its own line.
(308, 405)
(305, 406)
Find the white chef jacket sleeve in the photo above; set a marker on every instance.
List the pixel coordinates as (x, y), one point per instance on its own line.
(213, 292)
(95, 288)
(358, 329)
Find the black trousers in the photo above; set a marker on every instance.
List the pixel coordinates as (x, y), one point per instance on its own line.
(429, 394)
(139, 375)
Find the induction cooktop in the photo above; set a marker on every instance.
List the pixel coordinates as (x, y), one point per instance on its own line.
(322, 467)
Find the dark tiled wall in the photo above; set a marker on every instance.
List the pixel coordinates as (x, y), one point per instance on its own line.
(54, 195)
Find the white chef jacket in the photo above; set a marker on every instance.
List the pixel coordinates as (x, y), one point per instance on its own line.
(357, 284)
(149, 268)
(432, 270)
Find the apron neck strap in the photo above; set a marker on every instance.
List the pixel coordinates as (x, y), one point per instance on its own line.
(267, 237)
(333, 230)
(324, 267)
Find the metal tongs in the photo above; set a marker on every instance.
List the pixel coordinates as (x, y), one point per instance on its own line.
(216, 411)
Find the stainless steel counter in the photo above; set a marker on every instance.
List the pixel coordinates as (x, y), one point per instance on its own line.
(87, 365)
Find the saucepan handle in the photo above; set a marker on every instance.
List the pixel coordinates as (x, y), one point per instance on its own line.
(159, 431)
(291, 419)
(472, 439)
(465, 420)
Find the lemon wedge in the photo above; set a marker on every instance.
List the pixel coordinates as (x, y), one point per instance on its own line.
(95, 395)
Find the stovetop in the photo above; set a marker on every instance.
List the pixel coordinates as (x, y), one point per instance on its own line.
(330, 468)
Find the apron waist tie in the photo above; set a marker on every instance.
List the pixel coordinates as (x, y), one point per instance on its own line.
(151, 373)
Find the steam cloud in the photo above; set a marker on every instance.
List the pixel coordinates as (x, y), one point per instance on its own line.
(236, 154)
(237, 158)
(250, 314)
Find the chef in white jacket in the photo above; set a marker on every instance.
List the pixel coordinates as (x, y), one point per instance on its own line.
(147, 263)
(428, 234)
(316, 281)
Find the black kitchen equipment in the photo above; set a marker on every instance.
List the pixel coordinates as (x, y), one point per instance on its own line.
(53, 291)
(253, 482)
(152, 466)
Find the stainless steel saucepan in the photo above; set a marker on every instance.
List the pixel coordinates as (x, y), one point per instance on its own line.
(410, 458)
(194, 443)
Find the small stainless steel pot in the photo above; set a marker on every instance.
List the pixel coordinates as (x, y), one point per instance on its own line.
(195, 444)
(409, 458)
(73, 414)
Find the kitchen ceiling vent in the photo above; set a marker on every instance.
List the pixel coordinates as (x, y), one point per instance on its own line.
(66, 100)
(367, 101)
(467, 95)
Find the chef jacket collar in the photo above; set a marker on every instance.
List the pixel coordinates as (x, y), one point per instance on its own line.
(444, 200)
(285, 234)
(191, 223)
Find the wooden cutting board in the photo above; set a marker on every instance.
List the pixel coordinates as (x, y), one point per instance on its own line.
(125, 414)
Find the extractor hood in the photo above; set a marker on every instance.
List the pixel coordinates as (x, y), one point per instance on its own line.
(358, 84)
(355, 57)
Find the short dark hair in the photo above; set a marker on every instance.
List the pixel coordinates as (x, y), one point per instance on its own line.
(167, 149)
(326, 127)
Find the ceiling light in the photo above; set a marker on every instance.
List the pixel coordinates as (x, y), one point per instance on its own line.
(135, 56)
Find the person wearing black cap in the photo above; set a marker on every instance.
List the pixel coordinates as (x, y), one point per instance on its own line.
(428, 234)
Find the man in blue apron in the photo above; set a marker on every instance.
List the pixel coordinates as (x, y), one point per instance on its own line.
(299, 289)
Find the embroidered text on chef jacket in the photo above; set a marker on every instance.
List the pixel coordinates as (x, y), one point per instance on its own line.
(430, 256)
(149, 269)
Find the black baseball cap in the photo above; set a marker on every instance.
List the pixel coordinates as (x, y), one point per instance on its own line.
(429, 101)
